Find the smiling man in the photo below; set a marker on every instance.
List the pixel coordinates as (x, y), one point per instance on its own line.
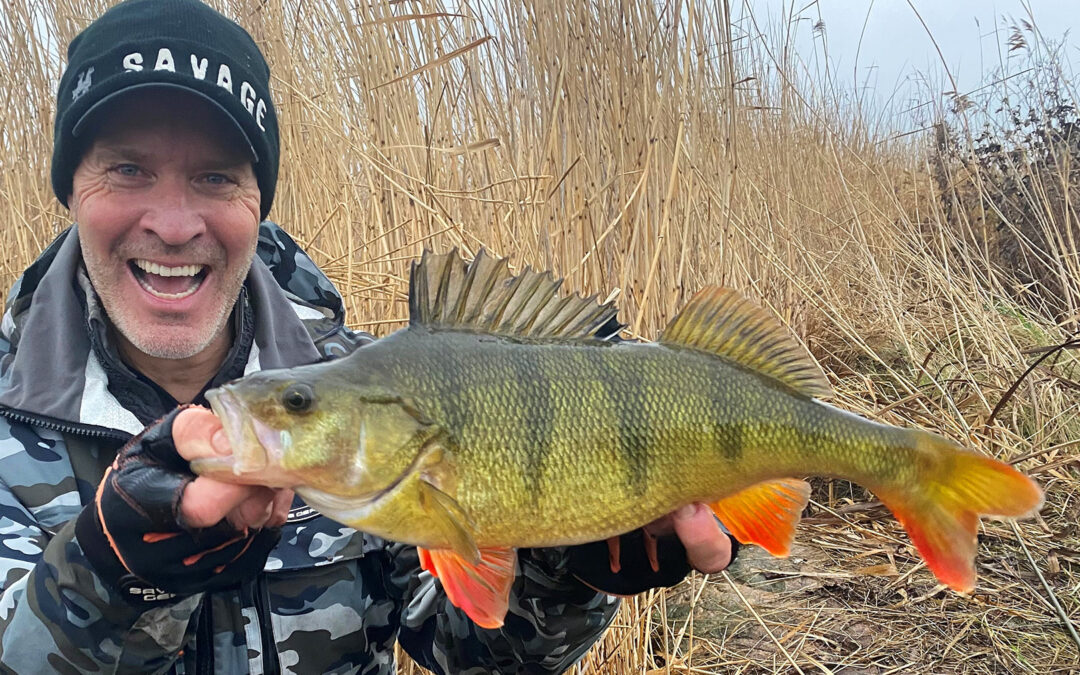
(168, 227)
(113, 555)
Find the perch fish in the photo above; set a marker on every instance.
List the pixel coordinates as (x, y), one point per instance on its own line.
(503, 418)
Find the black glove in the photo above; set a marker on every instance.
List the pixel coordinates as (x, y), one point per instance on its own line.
(591, 563)
(134, 537)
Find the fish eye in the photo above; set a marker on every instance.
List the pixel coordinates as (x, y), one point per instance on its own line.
(298, 398)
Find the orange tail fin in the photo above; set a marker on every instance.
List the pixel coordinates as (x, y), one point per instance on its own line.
(941, 511)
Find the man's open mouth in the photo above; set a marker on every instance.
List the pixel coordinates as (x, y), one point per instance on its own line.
(168, 283)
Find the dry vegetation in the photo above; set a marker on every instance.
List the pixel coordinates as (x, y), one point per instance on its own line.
(641, 152)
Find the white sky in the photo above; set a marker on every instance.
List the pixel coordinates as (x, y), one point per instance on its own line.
(895, 47)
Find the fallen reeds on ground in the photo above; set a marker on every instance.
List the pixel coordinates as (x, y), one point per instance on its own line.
(642, 150)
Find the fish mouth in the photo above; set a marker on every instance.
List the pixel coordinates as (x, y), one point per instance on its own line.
(257, 448)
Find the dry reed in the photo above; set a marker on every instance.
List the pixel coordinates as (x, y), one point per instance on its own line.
(641, 151)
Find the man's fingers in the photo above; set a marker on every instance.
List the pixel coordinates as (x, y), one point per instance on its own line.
(708, 548)
(283, 499)
(254, 511)
(265, 508)
(206, 501)
(197, 433)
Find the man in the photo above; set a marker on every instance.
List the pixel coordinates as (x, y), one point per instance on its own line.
(115, 557)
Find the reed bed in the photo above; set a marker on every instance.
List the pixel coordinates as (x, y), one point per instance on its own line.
(642, 150)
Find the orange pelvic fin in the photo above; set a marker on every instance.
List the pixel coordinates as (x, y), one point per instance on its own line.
(941, 513)
(482, 590)
(766, 513)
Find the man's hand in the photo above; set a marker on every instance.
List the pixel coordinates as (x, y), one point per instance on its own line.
(655, 556)
(197, 433)
(155, 530)
(708, 548)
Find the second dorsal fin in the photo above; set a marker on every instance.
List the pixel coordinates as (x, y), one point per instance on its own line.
(485, 296)
(720, 321)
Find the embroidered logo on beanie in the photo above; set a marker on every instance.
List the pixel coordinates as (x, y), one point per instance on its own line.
(199, 65)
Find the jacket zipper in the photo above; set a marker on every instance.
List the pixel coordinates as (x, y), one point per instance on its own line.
(271, 663)
(204, 639)
(63, 427)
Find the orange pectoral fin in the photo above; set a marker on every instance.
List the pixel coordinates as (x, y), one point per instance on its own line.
(482, 591)
(766, 513)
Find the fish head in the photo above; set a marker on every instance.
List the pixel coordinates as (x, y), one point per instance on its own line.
(310, 427)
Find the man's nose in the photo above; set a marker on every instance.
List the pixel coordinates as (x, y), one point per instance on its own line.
(174, 215)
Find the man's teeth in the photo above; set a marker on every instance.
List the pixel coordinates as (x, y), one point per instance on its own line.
(162, 271)
(184, 279)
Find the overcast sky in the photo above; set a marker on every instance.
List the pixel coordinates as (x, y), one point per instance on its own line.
(895, 46)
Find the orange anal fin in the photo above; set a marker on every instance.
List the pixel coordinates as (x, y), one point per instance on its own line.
(766, 513)
(941, 515)
(482, 591)
(650, 550)
(614, 554)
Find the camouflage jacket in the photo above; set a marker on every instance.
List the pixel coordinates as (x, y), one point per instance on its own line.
(330, 599)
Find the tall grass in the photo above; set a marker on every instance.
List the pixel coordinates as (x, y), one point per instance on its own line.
(641, 151)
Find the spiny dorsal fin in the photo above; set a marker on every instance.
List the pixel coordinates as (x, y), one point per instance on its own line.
(722, 322)
(485, 296)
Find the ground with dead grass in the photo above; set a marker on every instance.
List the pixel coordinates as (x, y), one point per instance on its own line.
(643, 150)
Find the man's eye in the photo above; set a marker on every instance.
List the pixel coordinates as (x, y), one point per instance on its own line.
(217, 179)
(127, 170)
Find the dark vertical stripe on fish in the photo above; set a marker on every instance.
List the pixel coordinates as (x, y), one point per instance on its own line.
(534, 396)
(629, 401)
(731, 437)
(453, 384)
(728, 429)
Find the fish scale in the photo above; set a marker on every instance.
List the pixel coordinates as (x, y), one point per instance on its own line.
(504, 417)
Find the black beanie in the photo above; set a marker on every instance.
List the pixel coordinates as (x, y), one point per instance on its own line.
(182, 44)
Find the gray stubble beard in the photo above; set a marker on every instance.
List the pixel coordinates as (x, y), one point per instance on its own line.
(157, 348)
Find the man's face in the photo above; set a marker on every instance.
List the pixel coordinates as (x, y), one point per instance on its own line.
(168, 210)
